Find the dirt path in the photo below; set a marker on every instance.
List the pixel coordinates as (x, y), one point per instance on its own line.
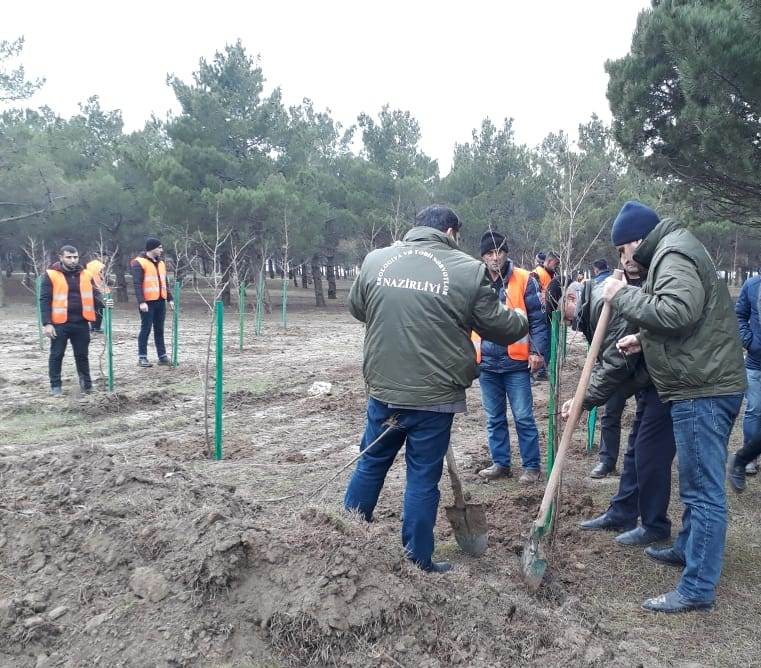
(121, 544)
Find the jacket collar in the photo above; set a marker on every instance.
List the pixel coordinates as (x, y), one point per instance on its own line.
(423, 233)
(57, 266)
(644, 254)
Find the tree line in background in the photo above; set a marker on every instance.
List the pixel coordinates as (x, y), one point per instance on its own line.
(239, 182)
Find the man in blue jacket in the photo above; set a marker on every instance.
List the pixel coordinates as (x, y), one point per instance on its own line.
(747, 310)
(505, 372)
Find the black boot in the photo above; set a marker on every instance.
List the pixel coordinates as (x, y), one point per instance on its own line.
(736, 474)
(606, 523)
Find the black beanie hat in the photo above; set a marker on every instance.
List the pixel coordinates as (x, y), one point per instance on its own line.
(151, 243)
(635, 221)
(492, 240)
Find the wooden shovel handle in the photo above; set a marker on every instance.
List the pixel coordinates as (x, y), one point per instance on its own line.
(575, 413)
(454, 476)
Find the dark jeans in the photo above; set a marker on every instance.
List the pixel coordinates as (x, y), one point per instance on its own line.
(701, 429)
(427, 436)
(751, 420)
(645, 487)
(79, 335)
(610, 430)
(154, 318)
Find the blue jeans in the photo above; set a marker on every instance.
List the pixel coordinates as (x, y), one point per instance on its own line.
(514, 387)
(152, 319)
(751, 420)
(701, 431)
(427, 436)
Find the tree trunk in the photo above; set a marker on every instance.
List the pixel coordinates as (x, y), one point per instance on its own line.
(3, 275)
(271, 268)
(319, 297)
(119, 264)
(225, 266)
(331, 276)
(304, 275)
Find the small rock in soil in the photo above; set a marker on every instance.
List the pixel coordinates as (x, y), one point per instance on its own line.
(7, 612)
(60, 611)
(37, 563)
(95, 622)
(29, 622)
(148, 583)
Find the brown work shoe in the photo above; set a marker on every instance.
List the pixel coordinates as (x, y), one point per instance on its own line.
(529, 476)
(496, 471)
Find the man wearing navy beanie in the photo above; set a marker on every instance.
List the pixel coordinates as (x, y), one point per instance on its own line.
(689, 339)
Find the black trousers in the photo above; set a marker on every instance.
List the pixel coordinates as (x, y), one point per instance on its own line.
(79, 335)
(645, 486)
(610, 430)
(152, 319)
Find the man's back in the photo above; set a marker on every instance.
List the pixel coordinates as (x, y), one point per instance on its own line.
(420, 299)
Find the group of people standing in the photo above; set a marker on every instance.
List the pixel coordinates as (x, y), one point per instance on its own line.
(673, 344)
(72, 299)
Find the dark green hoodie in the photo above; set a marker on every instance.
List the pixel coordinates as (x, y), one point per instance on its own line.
(688, 328)
(420, 299)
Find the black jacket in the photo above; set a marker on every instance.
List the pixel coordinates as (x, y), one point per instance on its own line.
(74, 301)
(137, 279)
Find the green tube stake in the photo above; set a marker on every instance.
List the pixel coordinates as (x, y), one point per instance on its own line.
(551, 372)
(259, 321)
(591, 427)
(108, 318)
(284, 316)
(218, 384)
(37, 293)
(176, 322)
(241, 312)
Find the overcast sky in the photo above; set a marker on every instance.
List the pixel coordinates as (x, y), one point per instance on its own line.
(450, 63)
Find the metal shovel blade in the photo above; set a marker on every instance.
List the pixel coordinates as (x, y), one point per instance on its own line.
(533, 561)
(470, 528)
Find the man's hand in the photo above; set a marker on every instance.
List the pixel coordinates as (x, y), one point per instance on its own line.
(171, 305)
(610, 288)
(565, 411)
(535, 362)
(49, 331)
(143, 307)
(628, 345)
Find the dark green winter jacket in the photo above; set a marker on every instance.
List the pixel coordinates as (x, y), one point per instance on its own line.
(420, 299)
(688, 328)
(612, 369)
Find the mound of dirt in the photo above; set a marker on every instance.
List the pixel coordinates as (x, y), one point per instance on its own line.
(105, 562)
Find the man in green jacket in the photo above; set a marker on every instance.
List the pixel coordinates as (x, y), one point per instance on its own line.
(420, 299)
(688, 337)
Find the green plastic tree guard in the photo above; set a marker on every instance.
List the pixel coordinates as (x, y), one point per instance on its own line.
(241, 314)
(37, 292)
(259, 320)
(591, 427)
(218, 383)
(284, 316)
(108, 326)
(176, 322)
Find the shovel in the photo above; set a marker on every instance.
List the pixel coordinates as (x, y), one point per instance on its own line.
(468, 520)
(534, 562)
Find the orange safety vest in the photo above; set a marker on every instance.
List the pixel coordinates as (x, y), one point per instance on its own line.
(154, 282)
(515, 298)
(96, 267)
(60, 304)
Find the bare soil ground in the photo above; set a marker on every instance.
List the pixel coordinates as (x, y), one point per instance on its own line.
(122, 544)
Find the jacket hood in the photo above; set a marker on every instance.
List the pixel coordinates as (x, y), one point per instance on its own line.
(644, 254)
(57, 266)
(423, 233)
